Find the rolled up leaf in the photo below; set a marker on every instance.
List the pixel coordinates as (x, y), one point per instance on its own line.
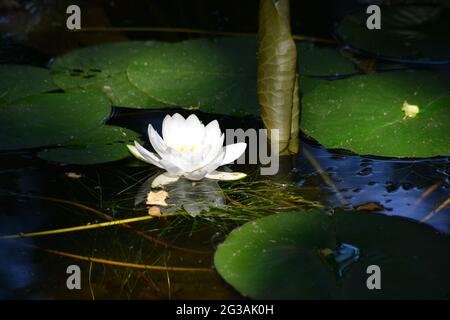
(277, 61)
(295, 119)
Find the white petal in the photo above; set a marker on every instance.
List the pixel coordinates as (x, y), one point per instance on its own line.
(228, 176)
(233, 151)
(195, 175)
(195, 131)
(156, 141)
(215, 163)
(166, 126)
(143, 154)
(178, 119)
(164, 179)
(135, 152)
(211, 151)
(171, 167)
(171, 162)
(190, 161)
(210, 167)
(178, 161)
(170, 127)
(212, 132)
(181, 165)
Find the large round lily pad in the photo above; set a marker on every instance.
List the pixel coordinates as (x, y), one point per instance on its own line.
(364, 114)
(417, 33)
(51, 119)
(322, 61)
(219, 75)
(103, 144)
(18, 81)
(307, 83)
(210, 74)
(87, 154)
(293, 256)
(102, 68)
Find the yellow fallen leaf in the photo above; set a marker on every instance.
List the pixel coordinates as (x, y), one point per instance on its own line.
(410, 110)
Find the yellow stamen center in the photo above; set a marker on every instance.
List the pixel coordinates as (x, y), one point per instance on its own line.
(182, 149)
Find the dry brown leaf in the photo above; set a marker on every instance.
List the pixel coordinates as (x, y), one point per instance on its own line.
(157, 198)
(73, 175)
(154, 211)
(370, 206)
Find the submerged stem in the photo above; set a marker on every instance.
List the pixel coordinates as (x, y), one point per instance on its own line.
(77, 228)
(108, 217)
(119, 263)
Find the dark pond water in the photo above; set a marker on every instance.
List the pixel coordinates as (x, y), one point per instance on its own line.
(36, 195)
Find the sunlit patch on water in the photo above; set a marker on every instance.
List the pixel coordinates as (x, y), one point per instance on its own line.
(407, 188)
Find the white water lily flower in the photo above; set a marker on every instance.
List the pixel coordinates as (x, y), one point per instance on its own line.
(189, 149)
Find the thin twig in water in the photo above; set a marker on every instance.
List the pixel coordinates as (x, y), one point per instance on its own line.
(108, 217)
(435, 211)
(90, 284)
(118, 263)
(427, 192)
(77, 228)
(324, 176)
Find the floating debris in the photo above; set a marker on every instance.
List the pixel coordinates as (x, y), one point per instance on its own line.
(370, 206)
(154, 211)
(410, 110)
(73, 175)
(157, 198)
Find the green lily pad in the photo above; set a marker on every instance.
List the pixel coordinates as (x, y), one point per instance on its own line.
(103, 144)
(102, 68)
(275, 258)
(416, 33)
(287, 256)
(219, 75)
(17, 82)
(211, 74)
(106, 134)
(322, 61)
(51, 119)
(364, 114)
(307, 84)
(87, 154)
